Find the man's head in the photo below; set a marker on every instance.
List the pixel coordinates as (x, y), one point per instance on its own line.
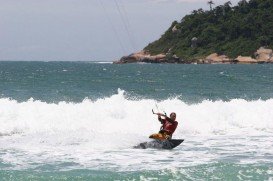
(173, 116)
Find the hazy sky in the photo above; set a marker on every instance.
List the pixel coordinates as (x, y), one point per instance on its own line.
(86, 30)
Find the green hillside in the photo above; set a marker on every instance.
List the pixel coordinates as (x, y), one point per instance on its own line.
(226, 29)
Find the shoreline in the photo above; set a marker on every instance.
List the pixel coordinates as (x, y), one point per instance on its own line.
(261, 56)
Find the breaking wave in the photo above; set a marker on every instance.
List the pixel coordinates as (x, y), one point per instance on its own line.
(118, 115)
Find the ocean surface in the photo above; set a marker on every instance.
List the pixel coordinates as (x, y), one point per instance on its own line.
(80, 121)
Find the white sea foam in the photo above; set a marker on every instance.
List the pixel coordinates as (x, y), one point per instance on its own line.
(105, 62)
(85, 131)
(118, 115)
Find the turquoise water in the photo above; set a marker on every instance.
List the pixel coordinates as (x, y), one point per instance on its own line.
(80, 121)
(219, 171)
(74, 81)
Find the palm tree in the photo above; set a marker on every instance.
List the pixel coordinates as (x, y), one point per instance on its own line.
(210, 4)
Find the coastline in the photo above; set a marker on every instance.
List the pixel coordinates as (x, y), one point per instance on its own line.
(261, 56)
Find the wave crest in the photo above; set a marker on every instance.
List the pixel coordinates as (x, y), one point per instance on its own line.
(118, 115)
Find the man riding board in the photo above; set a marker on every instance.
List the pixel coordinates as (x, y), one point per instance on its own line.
(168, 126)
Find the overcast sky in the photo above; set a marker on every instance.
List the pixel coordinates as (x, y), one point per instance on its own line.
(86, 30)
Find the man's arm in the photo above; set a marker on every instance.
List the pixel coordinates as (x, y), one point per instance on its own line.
(169, 119)
(159, 117)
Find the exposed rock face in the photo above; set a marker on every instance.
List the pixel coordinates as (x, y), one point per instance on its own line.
(194, 42)
(245, 60)
(264, 55)
(174, 29)
(215, 58)
(144, 56)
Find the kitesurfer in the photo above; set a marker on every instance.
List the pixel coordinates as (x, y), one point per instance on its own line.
(168, 126)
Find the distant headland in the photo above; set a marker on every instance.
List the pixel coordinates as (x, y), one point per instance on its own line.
(224, 34)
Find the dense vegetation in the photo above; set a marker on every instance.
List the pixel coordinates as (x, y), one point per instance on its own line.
(233, 31)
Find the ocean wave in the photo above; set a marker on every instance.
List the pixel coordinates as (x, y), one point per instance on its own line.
(103, 62)
(100, 134)
(118, 115)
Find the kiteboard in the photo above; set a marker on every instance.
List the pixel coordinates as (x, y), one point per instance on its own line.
(160, 144)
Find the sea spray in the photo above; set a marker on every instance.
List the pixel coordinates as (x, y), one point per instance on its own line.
(118, 115)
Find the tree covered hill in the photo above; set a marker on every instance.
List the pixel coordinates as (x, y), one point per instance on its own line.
(233, 31)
